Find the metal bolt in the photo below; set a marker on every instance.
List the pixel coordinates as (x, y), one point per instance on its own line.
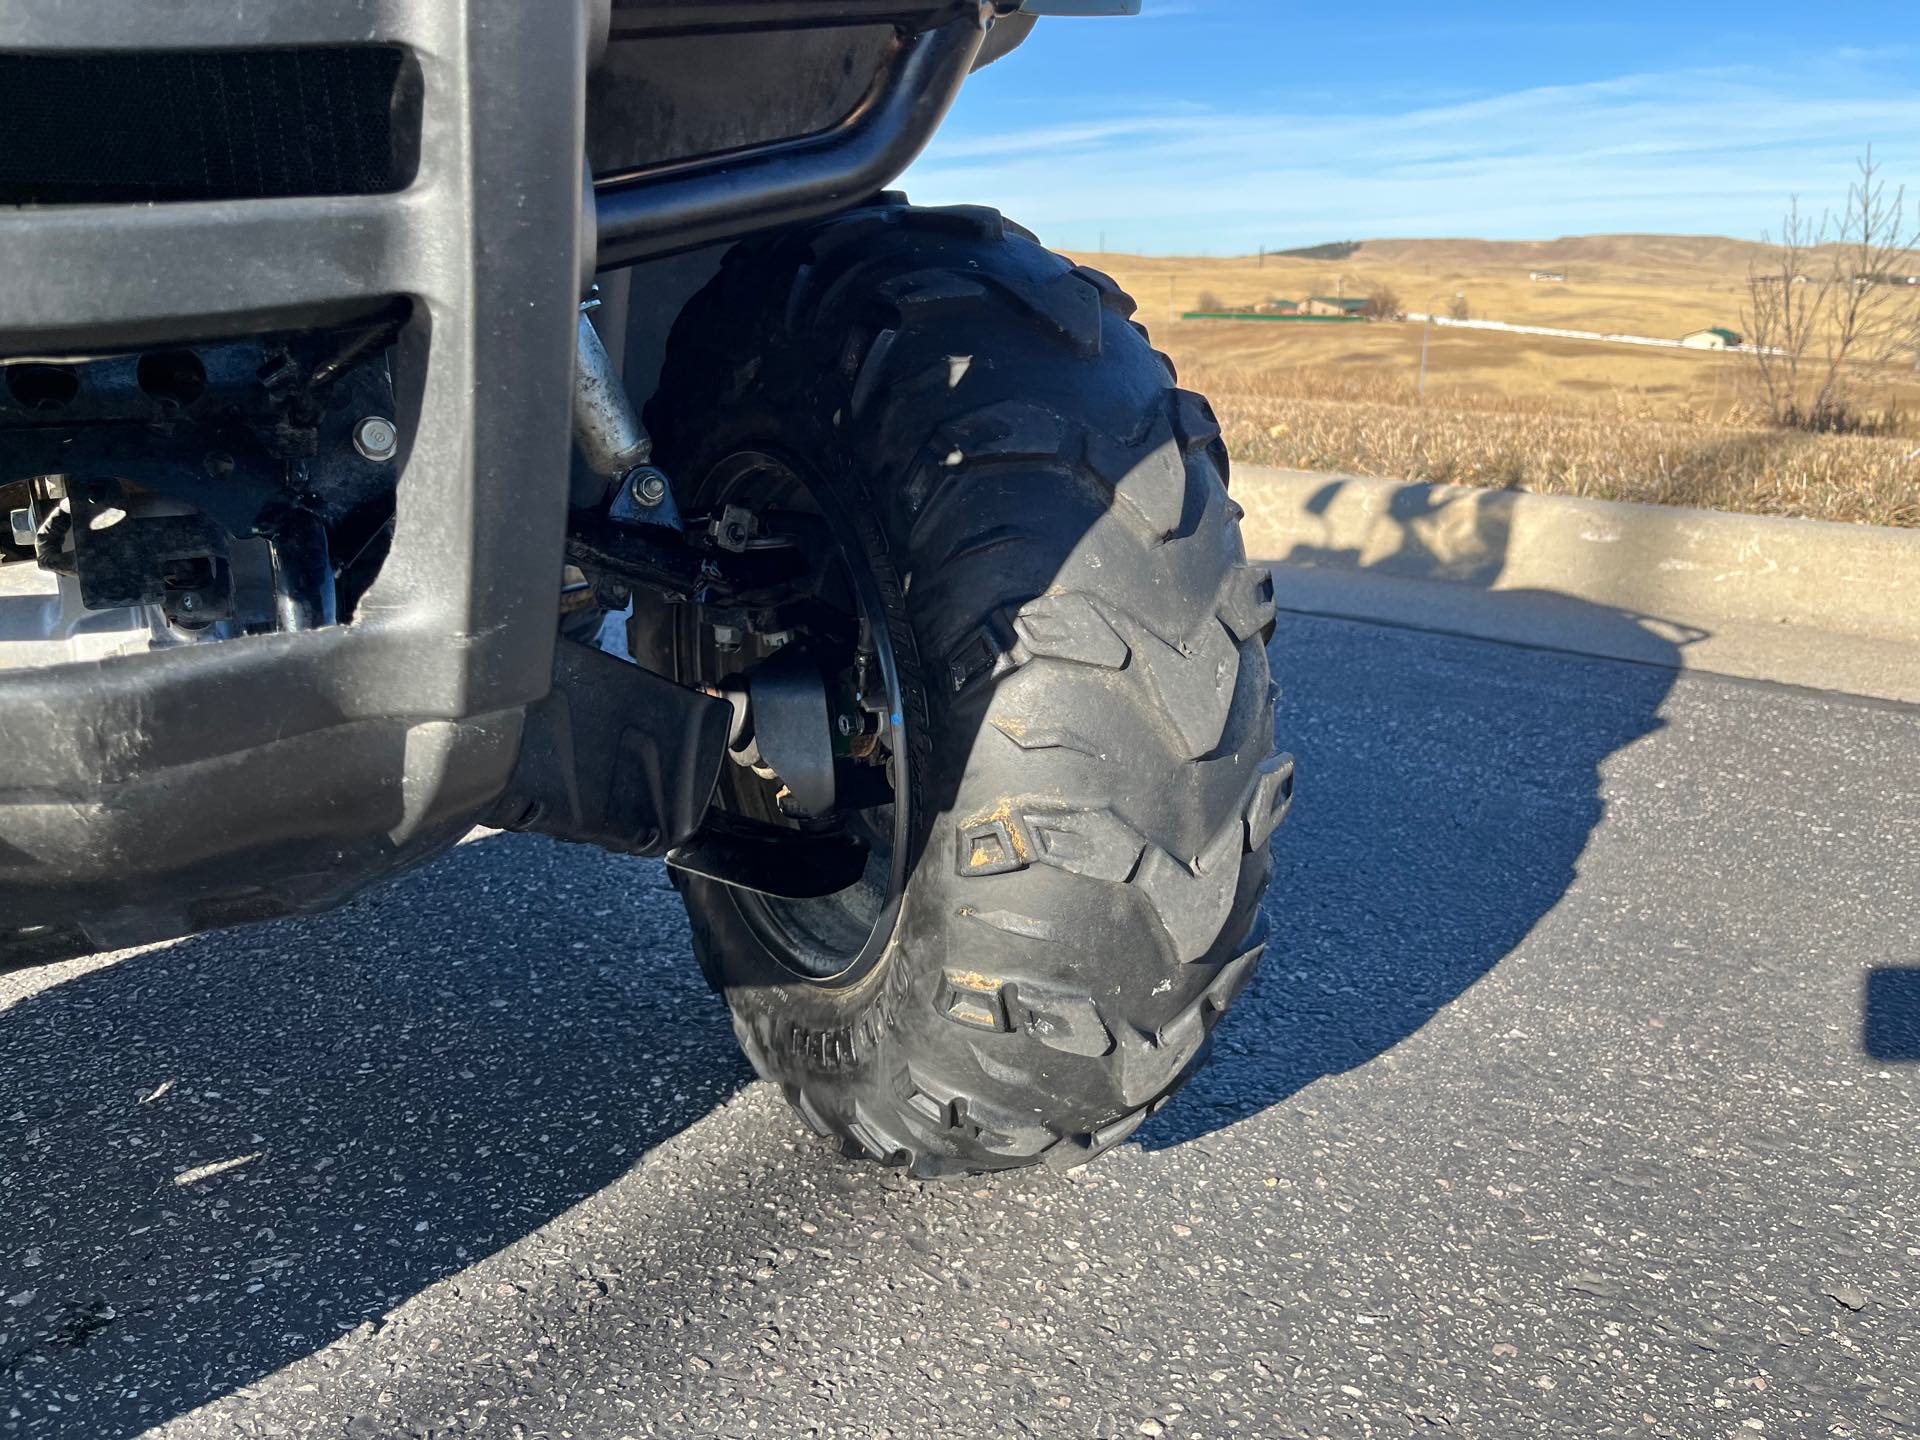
(377, 439)
(845, 724)
(188, 602)
(649, 486)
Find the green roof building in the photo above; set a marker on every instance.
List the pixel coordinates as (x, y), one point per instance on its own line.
(1336, 305)
(1716, 337)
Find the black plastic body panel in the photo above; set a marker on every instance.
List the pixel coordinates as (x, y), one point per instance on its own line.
(156, 794)
(616, 756)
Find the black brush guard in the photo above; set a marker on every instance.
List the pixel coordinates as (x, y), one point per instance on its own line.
(159, 794)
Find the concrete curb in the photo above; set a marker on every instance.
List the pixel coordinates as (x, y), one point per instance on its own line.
(1805, 602)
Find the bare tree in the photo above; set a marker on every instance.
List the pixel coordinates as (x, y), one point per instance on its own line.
(1875, 317)
(1781, 308)
(1825, 310)
(1211, 304)
(1383, 303)
(1458, 309)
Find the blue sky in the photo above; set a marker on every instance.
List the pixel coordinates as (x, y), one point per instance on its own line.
(1218, 126)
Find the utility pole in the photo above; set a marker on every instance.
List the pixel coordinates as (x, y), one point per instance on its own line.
(1173, 311)
(1426, 335)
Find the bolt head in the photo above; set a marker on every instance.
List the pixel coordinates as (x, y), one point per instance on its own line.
(845, 724)
(649, 486)
(377, 439)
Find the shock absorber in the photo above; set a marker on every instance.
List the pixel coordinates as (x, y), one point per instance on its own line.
(612, 441)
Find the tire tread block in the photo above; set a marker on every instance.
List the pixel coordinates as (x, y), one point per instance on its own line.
(1111, 294)
(1146, 473)
(1069, 626)
(1068, 305)
(1247, 602)
(1271, 800)
(1194, 901)
(1193, 681)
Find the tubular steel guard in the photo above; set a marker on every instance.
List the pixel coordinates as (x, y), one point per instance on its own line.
(658, 210)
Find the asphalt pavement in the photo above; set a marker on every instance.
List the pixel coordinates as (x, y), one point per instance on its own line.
(1579, 1094)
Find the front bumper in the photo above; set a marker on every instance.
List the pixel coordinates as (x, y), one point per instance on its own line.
(153, 795)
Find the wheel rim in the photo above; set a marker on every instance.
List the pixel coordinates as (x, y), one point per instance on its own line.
(836, 940)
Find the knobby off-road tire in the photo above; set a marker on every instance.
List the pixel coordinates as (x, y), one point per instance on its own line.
(1081, 651)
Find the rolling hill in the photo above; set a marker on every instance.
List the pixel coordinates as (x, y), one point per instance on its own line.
(1661, 285)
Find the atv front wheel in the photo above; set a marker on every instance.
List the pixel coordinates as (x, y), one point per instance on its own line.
(1076, 723)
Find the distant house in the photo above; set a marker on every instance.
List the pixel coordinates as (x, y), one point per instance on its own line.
(1717, 337)
(1335, 305)
(1548, 277)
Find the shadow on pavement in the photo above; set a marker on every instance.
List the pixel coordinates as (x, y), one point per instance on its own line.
(232, 1150)
(375, 1097)
(1442, 809)
(1890, 1029)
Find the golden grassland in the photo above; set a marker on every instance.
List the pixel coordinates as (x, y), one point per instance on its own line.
(1529, 412)
(1598, 453)
(1659, 285)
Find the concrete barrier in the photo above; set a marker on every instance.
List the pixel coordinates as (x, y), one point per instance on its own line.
(1803, 602)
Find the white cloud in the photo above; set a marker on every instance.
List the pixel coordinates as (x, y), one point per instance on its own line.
(1714, 151)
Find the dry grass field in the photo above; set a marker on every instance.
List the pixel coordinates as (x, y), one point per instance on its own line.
(1661, 285)
(1569, 416)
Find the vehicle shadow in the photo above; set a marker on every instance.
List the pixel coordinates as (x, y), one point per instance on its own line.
(225, 1153)
(1890, 1014)
(228, 1152)
(1442, 809)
